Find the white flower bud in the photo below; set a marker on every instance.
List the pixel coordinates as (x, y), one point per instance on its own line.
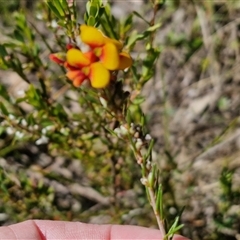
(35, 127)
(132, 130)
(64, 131)
(24, 122)
(148, 137)
(117, 131)
(20, 93)
(42, 140)
(19, 134)
(9, 130)
(148, 165)
(138, 143)
(54, 24)
(47, 129)
(103, 102)
(11, 117)
(144, 181)
(123, 130)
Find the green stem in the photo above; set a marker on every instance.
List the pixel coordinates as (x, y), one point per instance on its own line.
(153, 204)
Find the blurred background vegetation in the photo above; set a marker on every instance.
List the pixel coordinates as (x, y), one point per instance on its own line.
(52, 167)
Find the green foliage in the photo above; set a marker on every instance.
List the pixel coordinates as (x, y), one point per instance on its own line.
(65, 12)
(50, 125)
(87, 132)
(94, 12)
(227, 217)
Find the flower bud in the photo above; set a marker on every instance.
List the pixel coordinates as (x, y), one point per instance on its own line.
(148, 137)
(123, 130)
(103, 102)
(144, 181)
(138, 143)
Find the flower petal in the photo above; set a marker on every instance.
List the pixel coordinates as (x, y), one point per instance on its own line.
(77, 82)
(91, 36)
(95, 38)
(91, 56)
(58, 58)
(117, 43)
(125, 61)
(110, 56)
(76, 76)
(99, 76)
(69, 67)
(76, 58)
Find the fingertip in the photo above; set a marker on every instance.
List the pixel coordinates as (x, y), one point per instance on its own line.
(72, 230)
(20, 231)
(134, 233)
(46, 230)
(179, 237)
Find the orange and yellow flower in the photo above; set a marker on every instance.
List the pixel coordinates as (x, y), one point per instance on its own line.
(97, 64)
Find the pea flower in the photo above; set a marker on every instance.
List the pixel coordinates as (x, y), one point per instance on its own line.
(106, 49)
(82, 66)
(98, 63)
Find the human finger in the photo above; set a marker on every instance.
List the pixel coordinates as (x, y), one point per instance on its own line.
(60, 230)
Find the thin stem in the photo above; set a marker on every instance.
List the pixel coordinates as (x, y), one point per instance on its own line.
(153, 204)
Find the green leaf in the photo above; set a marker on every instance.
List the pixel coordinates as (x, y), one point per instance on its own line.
(34, 97)
(59, 7)
(4, 151)
(64, 4)
(154, 27)
(141, 17)
(88, 5)
(93, 11)
(4, 93)
(138, 100)
(3, 109)
(91, 21)
(174, 228)
(54, 9)
(127, 25)
(85, 17)
(46, 122)
(128, 21)
(2, 130)
(143, 120)
(134, 38)
(59, 112)
(18, 35)
(149, 151)
(31, 120)
(136, 75)
(129, 117)
(2, 181)
(152, 177)
(111, 131)
(3, 51)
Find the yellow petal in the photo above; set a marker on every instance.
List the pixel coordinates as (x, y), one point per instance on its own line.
(76, 58)
(117, 43)
(110, 56)
(91, 36)
(99, 76)
(125, 61)
(95, 38)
